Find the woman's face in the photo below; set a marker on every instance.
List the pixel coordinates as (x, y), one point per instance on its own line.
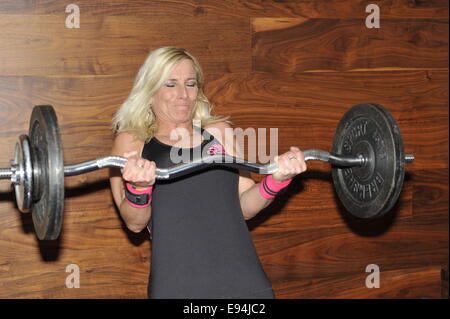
(174, 101)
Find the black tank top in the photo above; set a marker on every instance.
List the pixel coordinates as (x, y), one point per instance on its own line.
(201, 245)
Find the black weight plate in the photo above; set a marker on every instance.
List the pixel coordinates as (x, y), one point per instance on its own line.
(48, 172)
(371, 190)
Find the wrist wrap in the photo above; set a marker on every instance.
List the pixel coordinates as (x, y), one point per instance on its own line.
(138, 198)
(269, 188)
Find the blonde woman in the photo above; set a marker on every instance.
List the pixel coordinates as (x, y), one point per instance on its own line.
(201, 246)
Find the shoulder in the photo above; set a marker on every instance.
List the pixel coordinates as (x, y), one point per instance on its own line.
(218, 129)
(127, 138)
(127, 142)
(219, 125)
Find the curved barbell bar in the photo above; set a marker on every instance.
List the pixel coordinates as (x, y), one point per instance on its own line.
(222, 160)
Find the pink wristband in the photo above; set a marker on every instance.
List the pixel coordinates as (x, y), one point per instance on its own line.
(269, 188)
(147, 190)
(134, 191)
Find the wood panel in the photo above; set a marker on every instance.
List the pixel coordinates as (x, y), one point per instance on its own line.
(42, 45)
(326, 96)
(430, 194)
(306, 107)
(414, 283)
(339, 251)
(94, 240)
(240, 8)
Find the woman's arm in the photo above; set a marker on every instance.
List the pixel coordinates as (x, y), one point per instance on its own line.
(126, 145)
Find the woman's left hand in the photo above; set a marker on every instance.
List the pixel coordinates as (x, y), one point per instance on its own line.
(290, 164)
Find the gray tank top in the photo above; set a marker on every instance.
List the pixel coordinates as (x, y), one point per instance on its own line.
(201, 245)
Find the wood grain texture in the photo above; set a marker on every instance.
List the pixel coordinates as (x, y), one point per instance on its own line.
(430, 194)
(292, 65)
(444, 279)
(300, 246)
(412, 283)
(105, 45)
(94, 240)
(239, 8)
(306, 107)
(336, 251)
(347, 45)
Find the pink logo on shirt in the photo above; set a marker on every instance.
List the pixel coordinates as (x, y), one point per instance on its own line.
(216, 149)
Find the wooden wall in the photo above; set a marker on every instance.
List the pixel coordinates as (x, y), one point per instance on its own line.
(293, 65)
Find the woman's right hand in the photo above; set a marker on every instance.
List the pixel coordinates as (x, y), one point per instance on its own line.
(138, 171)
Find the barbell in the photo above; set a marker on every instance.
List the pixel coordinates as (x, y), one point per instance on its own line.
(368, 166)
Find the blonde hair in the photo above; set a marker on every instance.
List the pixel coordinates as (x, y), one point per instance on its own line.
(136, 116)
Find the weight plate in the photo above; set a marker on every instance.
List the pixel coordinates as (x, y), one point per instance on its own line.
(24, 174)
(48, 172)
(370, 190)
